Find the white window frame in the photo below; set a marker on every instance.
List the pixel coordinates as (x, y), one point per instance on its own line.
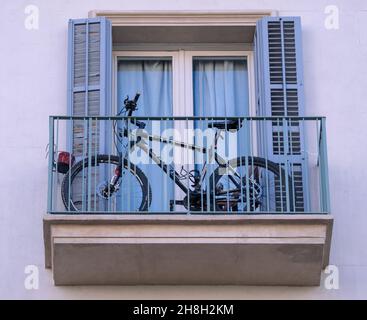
(183, 98)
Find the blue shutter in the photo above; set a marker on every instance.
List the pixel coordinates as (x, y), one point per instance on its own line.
(89, 77)
(279, 92)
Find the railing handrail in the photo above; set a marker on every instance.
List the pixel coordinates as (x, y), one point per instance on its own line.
(308, 118)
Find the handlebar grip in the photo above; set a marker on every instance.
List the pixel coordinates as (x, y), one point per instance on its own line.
(136, 97)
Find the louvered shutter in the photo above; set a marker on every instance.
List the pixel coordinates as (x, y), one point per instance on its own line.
(279, 92)
(89, 94)
(89, 77)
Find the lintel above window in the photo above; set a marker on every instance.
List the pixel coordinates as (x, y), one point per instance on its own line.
(183, 18)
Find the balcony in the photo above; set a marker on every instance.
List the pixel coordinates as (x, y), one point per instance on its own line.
(166, 204)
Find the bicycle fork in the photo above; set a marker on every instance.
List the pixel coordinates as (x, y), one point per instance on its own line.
(114, 185)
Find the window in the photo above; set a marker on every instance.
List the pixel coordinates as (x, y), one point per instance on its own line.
(182, 83)
(186, 83)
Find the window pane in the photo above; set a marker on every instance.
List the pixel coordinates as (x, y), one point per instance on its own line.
(220, 86)
(152, 77)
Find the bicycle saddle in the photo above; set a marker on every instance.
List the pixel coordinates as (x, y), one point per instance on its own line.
(226, 125)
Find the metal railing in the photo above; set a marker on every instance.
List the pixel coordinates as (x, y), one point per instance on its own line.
(202, 165)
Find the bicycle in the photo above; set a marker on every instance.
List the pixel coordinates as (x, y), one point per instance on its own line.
(246, 183)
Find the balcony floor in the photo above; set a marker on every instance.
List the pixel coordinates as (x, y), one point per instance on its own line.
(187, 249)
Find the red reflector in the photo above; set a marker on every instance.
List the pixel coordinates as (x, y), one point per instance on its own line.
(64, 160)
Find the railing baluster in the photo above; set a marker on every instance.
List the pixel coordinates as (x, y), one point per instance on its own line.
(280, 164)
(84, 157)
(188, 164)
(267, 178)
(50, 207)
(209, 167)
(150, 163)
(304, 154)
(95, 163)
(70, 168)
(247, 179)
(89, 179)
(202, 128)
(165, 176)
(56, 151)
(324, 169)
(133, 169)
(239, 147)
(213, 180)
(286, 147)
(173, 168)
(128, 169)
(293, 189)
(227, 173)
(252, 165)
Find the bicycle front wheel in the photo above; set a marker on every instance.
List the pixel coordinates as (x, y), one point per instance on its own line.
(82, 185)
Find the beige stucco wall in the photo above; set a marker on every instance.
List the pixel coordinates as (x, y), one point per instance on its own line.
(33, 86)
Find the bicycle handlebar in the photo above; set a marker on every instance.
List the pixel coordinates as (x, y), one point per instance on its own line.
(131, 106)
(137, 95)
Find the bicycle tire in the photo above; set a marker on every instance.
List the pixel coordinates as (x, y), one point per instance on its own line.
(273, 167)
(136, 171)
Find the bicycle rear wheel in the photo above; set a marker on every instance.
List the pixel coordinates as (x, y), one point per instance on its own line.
(82, 185)
(258, 185)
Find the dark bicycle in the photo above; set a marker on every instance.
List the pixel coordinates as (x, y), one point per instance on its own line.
(247, 183)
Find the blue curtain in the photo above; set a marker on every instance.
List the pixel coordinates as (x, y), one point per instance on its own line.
(153, 79)
(220, 87)
(221, 90)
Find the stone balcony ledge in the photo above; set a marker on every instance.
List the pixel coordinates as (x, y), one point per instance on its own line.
(212, 249)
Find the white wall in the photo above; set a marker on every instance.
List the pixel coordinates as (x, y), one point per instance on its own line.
(33, 86)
